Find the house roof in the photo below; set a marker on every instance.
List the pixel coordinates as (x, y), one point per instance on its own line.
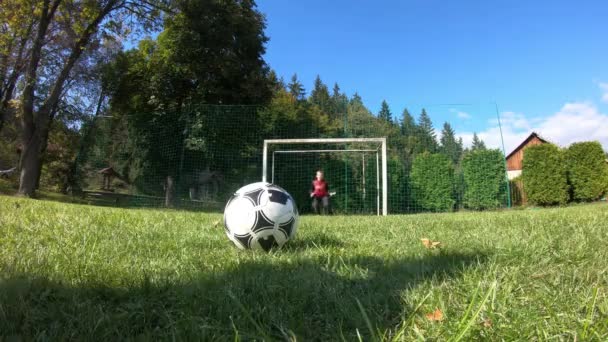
(109, 171)
(526, 141)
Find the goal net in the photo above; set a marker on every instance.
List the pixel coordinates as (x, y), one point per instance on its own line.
(195, 158)
(355, 169)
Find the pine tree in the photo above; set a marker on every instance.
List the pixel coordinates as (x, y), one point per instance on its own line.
(408, 124)
(428, 138)
(356, 99)
(478, 144)
(338, 103)
(296, 89)
(277, 84)
(451, 147)
(385, 112)
(336, 91)
(320, 95)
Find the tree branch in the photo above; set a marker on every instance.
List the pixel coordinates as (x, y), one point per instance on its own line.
(75, 53)
(48, 11)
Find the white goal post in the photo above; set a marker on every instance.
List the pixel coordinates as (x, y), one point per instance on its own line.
(382, 161)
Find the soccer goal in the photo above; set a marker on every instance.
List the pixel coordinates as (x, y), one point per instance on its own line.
(357, 165)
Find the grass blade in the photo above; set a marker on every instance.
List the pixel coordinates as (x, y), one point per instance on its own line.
(367, 321)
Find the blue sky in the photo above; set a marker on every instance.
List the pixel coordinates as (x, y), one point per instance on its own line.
(545, 63)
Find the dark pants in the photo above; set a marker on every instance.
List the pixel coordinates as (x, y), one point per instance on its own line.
(324, 203)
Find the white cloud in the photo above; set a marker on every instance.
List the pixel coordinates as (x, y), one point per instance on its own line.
(577, 121)
(460, 114)
(463, 115)
(604, 89)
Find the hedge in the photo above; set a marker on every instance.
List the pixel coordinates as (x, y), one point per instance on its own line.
(485, 179)
(587, 171)
(544, 175)
(433, 182)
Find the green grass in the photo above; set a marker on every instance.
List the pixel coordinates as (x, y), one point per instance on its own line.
(81, 272)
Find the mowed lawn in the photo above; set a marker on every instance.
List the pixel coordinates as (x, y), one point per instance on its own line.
(81, 272)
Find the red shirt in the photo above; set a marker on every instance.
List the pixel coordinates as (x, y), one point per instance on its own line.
(320, 188)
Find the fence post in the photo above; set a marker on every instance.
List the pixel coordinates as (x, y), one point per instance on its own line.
(504, 153)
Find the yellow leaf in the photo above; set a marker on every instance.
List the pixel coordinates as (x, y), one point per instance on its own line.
(486, 323)
(216, 223)
(435, 316)
(428, 243)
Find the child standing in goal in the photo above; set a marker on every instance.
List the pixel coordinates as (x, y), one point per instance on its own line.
(320, 193)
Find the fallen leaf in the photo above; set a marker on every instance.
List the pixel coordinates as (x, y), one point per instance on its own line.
(428, 243)
(435, 316)
(486, 323)
(216, 223)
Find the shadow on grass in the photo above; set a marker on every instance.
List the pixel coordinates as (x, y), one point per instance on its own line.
(314, 299)
(320, 240)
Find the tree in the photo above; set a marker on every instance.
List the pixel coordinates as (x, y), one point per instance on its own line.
(449, 145)
(433, 182)
(339, 103)
(477, 144)
(427, 136)
(408, 124)
(484, 178)
(62, 33)
(385, 112)
(17, 24)
(545, 175)
(162, 90)
(320, 95)
(587, 170)
(296, 89)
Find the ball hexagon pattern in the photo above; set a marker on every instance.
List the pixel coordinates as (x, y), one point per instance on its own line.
(261, 216)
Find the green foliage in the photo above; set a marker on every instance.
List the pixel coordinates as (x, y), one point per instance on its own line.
(296, 89)
(320, 95)
(426, 133)
(544, 175)
(218, 60)
(477, 144)
(385, 112)
(433, 182)
(339, 102)
(485, 179)
(58, 158)
(587, 170)
(167, 90)
(451, 147)
(408, 124)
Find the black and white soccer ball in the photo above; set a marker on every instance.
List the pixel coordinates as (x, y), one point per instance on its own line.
(261, 216)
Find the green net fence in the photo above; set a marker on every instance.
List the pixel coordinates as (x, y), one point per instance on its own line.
(195, 158)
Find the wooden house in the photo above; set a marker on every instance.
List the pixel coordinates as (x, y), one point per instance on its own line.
(516, 157)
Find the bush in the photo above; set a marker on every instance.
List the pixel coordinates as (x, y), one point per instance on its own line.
(587, 171)
(485, 179)
(433, 182)
(544, 175)
(459, 188)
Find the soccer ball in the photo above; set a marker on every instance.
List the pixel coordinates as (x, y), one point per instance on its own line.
(261, 216)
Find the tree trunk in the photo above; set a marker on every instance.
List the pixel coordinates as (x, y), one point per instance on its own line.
(30, 166)
(35, 127)
(169, 192)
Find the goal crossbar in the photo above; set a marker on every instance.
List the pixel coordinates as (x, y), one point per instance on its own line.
(321, 151)
(380, 141)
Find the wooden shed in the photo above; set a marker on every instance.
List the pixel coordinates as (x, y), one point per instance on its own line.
(516, 157)
(108, 175)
